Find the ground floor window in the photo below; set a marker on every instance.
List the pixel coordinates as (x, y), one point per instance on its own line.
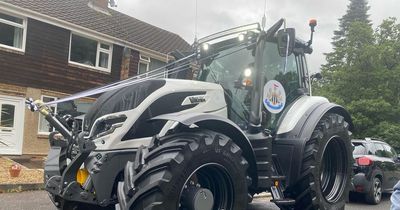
(44, 126)
(74, 108)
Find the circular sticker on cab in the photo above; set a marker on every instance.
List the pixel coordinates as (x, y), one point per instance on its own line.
(274, 98)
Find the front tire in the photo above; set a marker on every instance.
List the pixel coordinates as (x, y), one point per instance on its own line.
(199, 168)
(326, 168)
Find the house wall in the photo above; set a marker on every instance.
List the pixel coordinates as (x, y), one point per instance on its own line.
(134, 63)
(33, 142)
(44, 64)
(43, 69)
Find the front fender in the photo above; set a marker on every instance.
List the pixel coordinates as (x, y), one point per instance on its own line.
(295, 129)
(222, 125)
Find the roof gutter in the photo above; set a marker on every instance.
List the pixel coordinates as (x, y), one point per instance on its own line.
(80, 29)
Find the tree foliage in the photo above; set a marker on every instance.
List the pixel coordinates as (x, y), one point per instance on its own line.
(357, 11)
(363, 74)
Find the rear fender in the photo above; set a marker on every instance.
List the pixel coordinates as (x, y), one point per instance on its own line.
(222, 125)
(295, 129)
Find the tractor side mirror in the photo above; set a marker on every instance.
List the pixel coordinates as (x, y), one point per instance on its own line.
(286, 41)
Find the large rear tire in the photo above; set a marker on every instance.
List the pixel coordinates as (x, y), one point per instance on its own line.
(326, 167)
(188, 170)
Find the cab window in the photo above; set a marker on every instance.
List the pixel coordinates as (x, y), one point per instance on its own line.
(227, 69)
(274, 69)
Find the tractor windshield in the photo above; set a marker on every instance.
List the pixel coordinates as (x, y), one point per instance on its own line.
(233, 68)
(227, 68)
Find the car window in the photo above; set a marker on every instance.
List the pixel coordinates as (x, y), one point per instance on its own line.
(359, 148)
(394, 152)
(371, 149)
(380, 150)
(388, 151)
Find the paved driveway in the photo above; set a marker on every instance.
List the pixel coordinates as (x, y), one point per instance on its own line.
(38, 200)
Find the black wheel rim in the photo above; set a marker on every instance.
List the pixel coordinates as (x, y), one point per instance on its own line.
(215, 178)
(333, 170)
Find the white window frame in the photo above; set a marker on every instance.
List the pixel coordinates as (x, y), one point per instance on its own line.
(99, 49)
(55, 111)
(143, 59)
(23, 26)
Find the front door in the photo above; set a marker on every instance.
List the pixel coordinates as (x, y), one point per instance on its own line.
(11, 125)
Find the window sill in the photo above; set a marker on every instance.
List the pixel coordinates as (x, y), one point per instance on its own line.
(89, 68)
(43, 135)
(12, 50)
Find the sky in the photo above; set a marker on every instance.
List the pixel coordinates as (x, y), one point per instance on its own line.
(178, 16)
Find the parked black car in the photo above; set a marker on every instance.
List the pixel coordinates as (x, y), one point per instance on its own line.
(376, 169)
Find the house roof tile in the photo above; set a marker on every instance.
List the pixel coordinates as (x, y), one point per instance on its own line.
(115, 24)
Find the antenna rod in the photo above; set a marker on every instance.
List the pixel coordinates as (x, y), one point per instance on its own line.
(195, 24)
(264, 18)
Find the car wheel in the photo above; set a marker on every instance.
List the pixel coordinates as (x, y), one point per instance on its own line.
(375, 194)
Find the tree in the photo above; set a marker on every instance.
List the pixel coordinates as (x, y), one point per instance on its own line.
(367, 80)
(357, 11)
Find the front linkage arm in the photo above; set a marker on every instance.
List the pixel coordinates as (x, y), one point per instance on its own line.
(61, 179)
(39, 106)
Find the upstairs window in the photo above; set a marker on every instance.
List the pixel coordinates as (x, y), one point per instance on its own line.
(12, 32)
(143, 64)
(91, 53)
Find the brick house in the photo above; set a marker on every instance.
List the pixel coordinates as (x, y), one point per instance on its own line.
(52, 48)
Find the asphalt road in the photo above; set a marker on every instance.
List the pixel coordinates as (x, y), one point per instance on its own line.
(38, 200)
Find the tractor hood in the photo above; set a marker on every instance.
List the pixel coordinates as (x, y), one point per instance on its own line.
(145, 100)
(121, 100)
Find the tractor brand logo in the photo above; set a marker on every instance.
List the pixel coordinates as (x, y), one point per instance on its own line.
(274, 96)
(197, 99)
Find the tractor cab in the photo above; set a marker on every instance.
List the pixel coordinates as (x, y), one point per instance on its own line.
(253, 65)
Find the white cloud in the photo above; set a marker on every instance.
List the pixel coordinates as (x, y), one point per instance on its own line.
(178, 16)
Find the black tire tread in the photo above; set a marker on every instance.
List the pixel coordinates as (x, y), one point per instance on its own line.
(152, 181)
(305, 190)
(369, 197)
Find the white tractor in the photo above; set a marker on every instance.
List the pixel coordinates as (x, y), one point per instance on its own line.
(245, 124)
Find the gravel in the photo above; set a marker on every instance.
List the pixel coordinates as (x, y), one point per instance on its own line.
(27, 176)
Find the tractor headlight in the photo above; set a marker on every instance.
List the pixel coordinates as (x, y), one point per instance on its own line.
(107, 125)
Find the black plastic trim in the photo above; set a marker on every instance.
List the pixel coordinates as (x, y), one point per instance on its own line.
(222, 125)
(169, 103)
(289, 146)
